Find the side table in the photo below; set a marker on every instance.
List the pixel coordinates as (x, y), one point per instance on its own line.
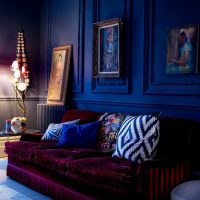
(4, 137)
(10, 137)
(186, 191)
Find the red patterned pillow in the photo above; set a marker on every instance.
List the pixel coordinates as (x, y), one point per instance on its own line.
(110, 126)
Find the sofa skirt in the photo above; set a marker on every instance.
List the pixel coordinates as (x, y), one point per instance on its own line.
(53, 185)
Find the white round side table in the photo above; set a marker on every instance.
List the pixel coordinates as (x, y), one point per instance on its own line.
(187, 191)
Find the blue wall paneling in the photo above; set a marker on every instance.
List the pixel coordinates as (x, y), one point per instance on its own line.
(143, 87)
(159, 17)
(102, 11)
(66, 26)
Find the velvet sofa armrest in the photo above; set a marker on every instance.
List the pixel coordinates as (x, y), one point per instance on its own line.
(162, 175)
(31, 137)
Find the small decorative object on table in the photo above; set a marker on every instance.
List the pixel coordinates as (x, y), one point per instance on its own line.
(8, 126)
(18, 124)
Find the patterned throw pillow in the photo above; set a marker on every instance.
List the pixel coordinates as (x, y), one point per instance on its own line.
(138, 138)
(110, 125)
(54, 130)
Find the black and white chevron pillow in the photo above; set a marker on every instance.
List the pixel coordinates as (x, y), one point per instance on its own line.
(138, 138)
(53, 131)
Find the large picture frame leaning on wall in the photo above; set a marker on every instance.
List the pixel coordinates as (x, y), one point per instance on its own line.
(107, 48)
(58, 82)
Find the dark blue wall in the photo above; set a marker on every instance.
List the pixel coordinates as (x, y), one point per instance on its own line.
(144, 86)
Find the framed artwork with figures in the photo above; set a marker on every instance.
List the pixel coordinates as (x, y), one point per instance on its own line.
(58, 82)
(107, 48)
(182, 50)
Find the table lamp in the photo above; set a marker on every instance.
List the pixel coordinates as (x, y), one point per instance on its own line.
(20, 78)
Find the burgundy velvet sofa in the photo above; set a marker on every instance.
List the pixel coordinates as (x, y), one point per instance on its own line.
(86, 174)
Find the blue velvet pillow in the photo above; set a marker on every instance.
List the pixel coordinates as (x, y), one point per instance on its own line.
(81, 136)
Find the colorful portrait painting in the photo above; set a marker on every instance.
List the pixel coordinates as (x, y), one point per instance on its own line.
(109, 49)
(107, 44)
(182, 50)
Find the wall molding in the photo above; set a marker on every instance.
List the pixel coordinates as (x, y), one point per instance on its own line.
(12, 98)
(49, 50)
(138, 105)
(77, 85)
(115, 85)
(150, 84)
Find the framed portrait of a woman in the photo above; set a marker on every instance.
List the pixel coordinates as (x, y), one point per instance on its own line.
(182, 50)
(58, 82)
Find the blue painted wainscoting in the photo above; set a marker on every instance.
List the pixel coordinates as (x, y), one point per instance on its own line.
(144, 85)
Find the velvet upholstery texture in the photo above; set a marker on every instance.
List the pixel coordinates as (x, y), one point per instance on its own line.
(56, 186)
(85, 116)
(91, 167)
(25, 150)
(31, 137)
(110, 174)
(80, 136)
(58, 160)
(176, 137)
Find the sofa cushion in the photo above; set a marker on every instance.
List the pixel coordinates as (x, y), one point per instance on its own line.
(26, 150)
(106, 173)
(58, 159)
(80, 136)
(138, 138)
(85, 116)
(93, 168)
(180, 135)
(110, 125)
(54, 130)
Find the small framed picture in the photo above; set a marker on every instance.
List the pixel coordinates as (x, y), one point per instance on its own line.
(107, 48)
(182, 50)
(59, 75)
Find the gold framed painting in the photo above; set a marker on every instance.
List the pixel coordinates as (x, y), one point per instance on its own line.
(59, 75)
